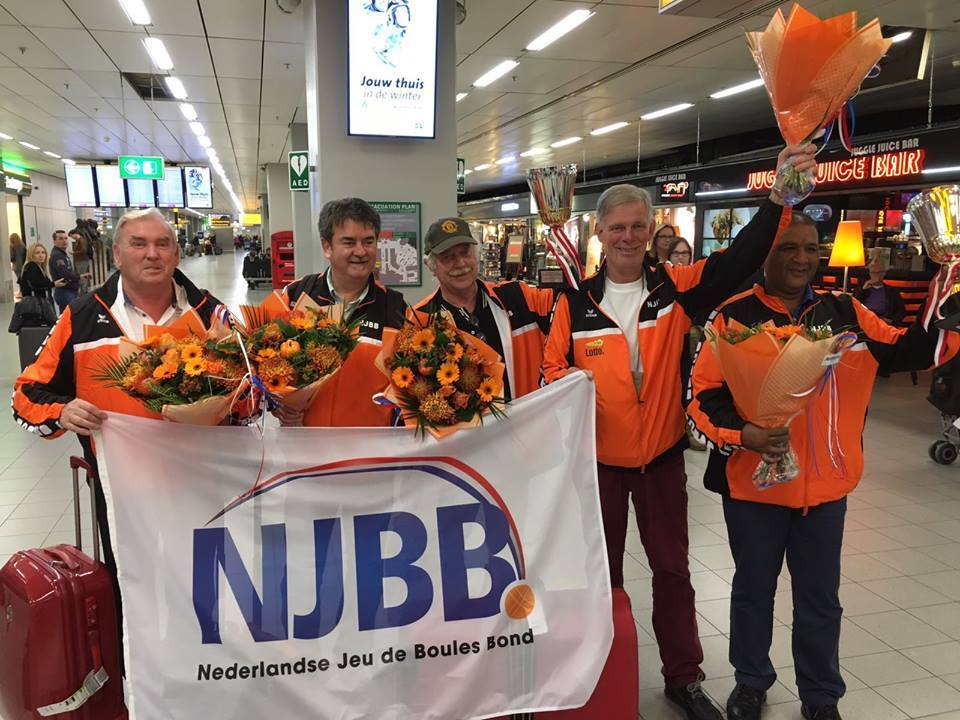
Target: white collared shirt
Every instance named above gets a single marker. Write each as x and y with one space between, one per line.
348 307
132 319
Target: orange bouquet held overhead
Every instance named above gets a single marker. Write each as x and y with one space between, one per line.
441 379
811 69
772 373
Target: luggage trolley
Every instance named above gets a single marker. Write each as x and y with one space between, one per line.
945 397
256 268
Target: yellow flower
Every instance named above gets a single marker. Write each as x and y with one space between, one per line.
436 409
171 357
487 389
266 353
423 340
402 377
455 352
194 367
448 373
303 321
190 352
289 348
163 371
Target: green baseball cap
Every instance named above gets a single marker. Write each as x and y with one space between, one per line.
445 233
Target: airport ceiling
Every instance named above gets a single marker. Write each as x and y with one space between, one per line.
242 66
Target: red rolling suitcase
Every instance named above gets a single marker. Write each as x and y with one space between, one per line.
59 653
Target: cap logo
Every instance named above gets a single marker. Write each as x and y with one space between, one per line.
449 226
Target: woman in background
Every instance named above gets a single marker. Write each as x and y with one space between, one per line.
18 254
660 243
35 279
679 252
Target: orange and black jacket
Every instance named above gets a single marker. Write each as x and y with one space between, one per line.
84 337
346 399
527 310
714 416
637 430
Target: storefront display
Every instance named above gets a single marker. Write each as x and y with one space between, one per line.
720 226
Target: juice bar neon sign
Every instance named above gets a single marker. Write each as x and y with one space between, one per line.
854 170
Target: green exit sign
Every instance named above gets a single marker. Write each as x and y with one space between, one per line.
142 167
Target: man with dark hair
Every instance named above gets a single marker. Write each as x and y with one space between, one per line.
349 229
802 519
61 268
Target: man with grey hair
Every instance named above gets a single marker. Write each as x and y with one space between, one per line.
627 326
58 392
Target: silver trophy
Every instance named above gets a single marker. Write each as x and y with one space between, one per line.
552 188
935 214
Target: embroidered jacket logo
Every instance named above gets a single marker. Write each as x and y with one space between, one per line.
594 348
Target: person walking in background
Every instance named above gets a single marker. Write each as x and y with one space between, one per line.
61 268
18 254
34 279
660 243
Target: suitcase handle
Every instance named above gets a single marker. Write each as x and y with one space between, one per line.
63 558
76 464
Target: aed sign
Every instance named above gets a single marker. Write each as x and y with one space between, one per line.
299 170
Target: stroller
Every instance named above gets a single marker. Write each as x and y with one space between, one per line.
945 397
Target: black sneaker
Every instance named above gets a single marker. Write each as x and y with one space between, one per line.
693 701
820 712
744 703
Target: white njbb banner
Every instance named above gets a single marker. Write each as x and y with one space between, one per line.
368 573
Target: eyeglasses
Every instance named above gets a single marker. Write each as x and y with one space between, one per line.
680 253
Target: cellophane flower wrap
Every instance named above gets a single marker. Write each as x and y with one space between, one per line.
441 378
772 373
294 351
184 372
811 68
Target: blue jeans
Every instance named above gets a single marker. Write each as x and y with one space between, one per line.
64 296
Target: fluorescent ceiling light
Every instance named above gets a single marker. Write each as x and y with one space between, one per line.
666 111
188 111
197 128
176 87
68 161
29 145
4 136
204 141
900 37
722 192
212 152
158 53
51 154
565 142
534 151
495 73
461 96
136 12
609 128
467 172
940 170
506 159
508 206
742 87
577 17
478 168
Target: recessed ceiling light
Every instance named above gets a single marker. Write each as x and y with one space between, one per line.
197 128
666 111
495 73
577 17
461 96
4 136
188 111
51 154
900 37
534 151
158 53
609 128
29 145
68 161
506 159
176 88
204 141
484 166
136 12
565 142
742 87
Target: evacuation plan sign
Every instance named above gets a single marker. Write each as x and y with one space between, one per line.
141 167
299 170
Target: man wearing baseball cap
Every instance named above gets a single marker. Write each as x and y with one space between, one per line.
510 317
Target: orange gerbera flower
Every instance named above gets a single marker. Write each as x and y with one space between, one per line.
171 357
163 371
487 389
448 373
423 340
454 352
289 348
190 352
785 332
402 377
194 367
266 353
302 321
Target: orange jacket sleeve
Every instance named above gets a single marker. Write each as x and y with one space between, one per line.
709 403
539 300
44 387
901 349
558 353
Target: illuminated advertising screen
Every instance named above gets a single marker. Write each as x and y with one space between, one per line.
392 78
80 188
140 194
170 189
110 186
199 189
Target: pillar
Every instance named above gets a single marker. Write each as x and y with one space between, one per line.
278 198
6 275
306 235
377 168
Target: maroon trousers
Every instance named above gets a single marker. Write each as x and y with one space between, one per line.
660 501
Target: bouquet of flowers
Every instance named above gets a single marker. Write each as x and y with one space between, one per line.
442 379
184 372
292 352
772 373
811 68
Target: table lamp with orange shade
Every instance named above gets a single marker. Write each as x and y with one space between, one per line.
847 248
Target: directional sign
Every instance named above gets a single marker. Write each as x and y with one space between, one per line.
299 170
461 177
144 167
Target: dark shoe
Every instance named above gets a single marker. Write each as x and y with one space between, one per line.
821 712
744 703
693 701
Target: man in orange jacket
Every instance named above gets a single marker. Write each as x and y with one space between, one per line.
510 317
803 518
349 229
627 325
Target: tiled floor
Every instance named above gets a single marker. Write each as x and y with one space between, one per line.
900 648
